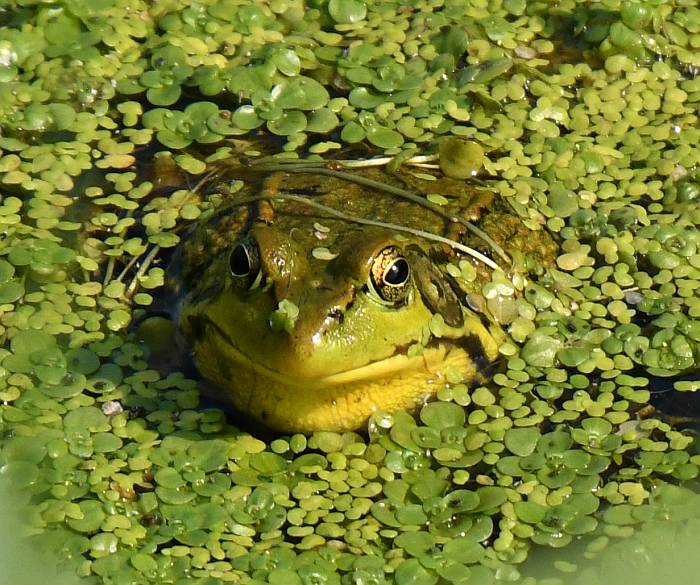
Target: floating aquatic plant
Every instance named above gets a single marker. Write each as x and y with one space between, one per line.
584 120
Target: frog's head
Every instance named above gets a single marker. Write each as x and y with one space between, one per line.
307 330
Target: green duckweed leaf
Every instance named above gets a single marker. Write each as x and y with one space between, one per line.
209 455
92 516
291 122
563 201
490 497
268 463
103 544
7 271
347 11
429 486
322 121
365 98
31 341
540 350
88 418
530 512
411 572
460 159
463 550
300 93
554 442
416 544
106 442
165 95
352 132
384 137
461 500
521 441
82 360
11 290
442 415
284 317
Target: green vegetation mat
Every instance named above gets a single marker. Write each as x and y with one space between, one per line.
583 115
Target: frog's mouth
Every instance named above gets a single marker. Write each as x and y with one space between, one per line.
433 360
341 401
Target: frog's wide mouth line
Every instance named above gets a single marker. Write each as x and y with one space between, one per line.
430 360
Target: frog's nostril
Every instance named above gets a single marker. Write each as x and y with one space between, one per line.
337 315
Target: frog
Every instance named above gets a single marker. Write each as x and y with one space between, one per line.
315 302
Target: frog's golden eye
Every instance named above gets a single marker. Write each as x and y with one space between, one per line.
244 263
390 275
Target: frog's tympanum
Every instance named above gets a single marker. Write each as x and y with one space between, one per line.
307 321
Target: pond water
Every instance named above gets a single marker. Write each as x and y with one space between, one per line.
116 119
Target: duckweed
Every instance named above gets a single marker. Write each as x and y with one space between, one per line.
594 138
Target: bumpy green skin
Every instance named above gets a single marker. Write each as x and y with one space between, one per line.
348 351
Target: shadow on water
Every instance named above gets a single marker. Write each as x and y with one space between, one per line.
663 551
26 559
681 408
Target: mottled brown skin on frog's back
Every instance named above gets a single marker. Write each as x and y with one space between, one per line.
366 336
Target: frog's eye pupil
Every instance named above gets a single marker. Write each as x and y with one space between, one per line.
397 273
240 260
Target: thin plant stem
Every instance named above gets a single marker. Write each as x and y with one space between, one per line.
141 271
403 193
363 221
